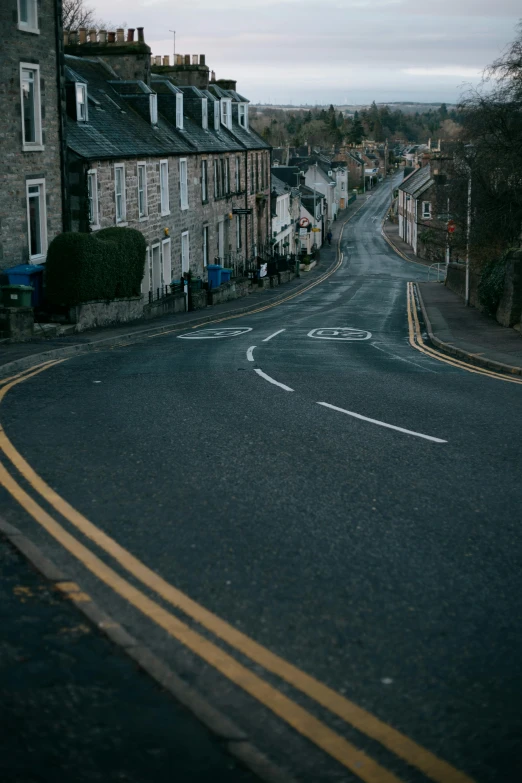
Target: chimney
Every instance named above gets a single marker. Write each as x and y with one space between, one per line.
212 76
131 64
130 35
202 59
141 37
157 60
187 59
103 36
195 59
92 36
111 37
179 59
120 35
66 37
166 60
83 35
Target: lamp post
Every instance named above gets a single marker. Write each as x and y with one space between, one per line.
468 237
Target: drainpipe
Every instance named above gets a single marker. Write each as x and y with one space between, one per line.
60 85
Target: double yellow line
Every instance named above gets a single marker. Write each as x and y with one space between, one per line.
417 342
302 720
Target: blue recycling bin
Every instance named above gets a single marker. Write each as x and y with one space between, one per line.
27 274
214 275
225 275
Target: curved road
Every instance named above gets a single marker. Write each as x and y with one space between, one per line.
334 583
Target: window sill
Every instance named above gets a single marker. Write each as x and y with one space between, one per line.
26 29
143 218
205 201
41 259
122 223
94 227
183 209
165 214
33 148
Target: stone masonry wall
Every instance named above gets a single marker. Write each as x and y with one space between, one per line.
17 46
157 228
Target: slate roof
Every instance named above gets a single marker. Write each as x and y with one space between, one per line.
119 121
288 174
281 188
417 182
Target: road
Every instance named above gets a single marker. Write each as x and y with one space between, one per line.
345 587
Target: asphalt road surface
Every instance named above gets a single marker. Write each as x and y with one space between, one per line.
261 523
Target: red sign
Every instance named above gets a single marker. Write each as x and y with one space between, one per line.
451 226
304 222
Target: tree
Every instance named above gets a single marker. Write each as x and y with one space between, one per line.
76 14
356 133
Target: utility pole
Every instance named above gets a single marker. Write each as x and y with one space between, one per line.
468 238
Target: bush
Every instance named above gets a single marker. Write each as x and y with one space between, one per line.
87 267
491 284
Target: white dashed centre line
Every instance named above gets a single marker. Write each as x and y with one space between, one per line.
273 335
272 380
381 423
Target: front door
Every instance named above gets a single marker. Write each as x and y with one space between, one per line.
156 269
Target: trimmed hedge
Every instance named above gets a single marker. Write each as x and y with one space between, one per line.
88 267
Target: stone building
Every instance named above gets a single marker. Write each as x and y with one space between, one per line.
416 207
166 150
31 136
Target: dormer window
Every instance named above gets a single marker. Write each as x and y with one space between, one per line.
226 112
179 110
204 113
28 16
243 115
153 103
81 103
216 116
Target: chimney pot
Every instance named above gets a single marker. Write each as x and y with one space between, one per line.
141 37
92 36
179 59
213 76
73 36
66 37
202 59
166 59
195 59
130 35
187 59
120 35
83 35
157 60
111 37
103 36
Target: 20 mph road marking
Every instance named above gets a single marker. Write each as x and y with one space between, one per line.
250 354
272 380
381 423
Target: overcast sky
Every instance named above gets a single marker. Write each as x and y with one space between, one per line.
330 51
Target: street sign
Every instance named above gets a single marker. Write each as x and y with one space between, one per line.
304 222
303 232
241 211
316 229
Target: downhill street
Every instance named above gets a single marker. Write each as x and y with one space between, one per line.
379 553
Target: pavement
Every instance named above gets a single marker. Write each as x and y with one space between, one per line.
17 356
311 523
76 708
458 330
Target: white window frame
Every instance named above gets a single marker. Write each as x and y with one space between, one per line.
183 183
31 26
185 257
217 120
217 178
142 166
80 89
204 113
164 188
206 245
238 232
426 213
238 174
226 175
204 181
242 115
92 194
226 112
123 216
179 110
37 144
166 262
37 257
153 106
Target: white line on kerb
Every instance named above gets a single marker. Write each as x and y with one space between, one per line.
273 335
250 354
271 380
381 423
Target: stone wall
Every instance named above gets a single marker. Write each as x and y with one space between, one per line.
456 281
509 311
18 46
89 315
